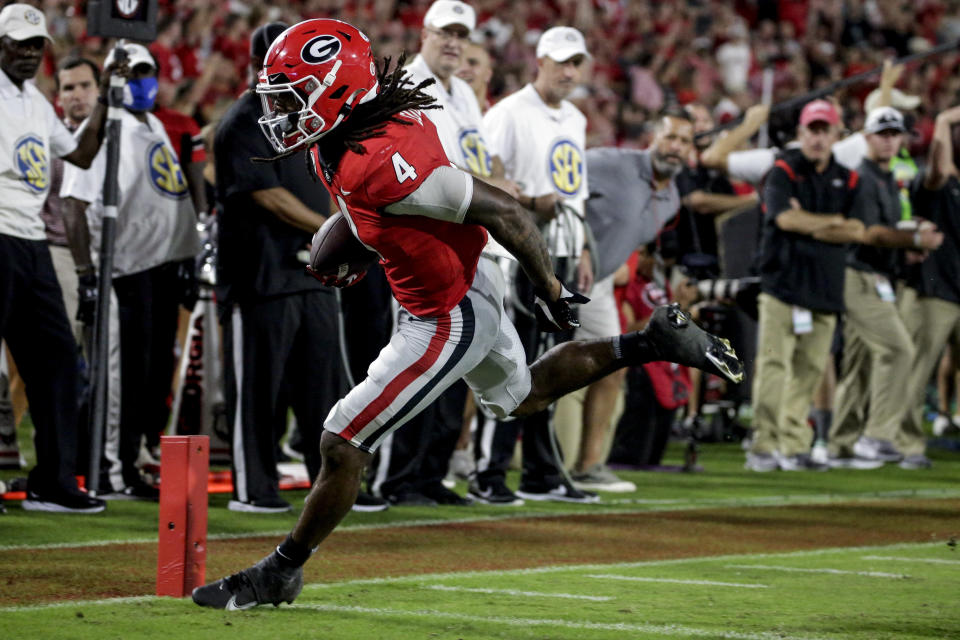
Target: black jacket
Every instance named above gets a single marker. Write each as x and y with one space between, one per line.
794 267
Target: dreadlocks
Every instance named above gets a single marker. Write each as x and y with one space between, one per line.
368 120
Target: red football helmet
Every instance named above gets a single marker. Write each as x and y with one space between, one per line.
313 75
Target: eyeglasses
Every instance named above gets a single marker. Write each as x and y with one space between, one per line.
446 35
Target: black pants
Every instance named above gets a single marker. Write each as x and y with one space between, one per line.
415 456
494 440
34 324
644 428
279 353
148 308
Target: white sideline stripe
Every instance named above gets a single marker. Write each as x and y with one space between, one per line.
838 572
514 592
427 577
663 506
659 629
904 559
517 572
710 583
79 603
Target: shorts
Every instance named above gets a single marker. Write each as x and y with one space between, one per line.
599 318
474 341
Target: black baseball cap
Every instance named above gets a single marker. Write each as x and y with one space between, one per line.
263 36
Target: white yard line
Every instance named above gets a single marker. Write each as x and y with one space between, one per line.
429 577
709 583
426 578
904 559
838 572
668 630
514 592
661 506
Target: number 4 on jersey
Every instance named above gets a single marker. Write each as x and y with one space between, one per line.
404 169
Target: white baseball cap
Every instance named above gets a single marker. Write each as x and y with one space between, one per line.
136 54
561 44
884 119
898 100
444 13
22 21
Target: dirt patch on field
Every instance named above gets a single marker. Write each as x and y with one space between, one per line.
130 570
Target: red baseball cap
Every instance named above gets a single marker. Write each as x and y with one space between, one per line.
819 111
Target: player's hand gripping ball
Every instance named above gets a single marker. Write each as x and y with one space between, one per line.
337 258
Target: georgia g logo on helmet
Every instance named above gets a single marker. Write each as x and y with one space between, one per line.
321 49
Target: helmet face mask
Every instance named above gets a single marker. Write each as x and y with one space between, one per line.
313 74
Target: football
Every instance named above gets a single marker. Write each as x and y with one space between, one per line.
335 251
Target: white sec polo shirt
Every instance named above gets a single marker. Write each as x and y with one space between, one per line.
31 135
156 222
542 150
459 123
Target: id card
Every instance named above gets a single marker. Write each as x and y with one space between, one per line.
802 320
885 289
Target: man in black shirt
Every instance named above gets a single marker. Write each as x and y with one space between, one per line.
279 325
877 346
807 198
936 196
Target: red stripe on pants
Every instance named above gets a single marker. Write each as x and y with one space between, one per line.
402 381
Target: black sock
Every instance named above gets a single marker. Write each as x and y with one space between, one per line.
293 554
634 348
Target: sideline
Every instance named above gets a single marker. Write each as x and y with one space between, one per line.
658 506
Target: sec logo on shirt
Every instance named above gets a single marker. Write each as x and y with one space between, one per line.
475 153
30 159
566 167
165 172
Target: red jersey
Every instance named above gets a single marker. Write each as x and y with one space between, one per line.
429 263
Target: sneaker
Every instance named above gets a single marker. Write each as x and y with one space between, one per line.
853 462
802 462
63 501
944 425
675 338
875 449
600 478
267 582
916 462
263 505
496 494
761 462
411 499
442 495
366 503
139 490
563 492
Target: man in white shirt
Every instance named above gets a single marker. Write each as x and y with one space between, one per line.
156 244
32 316
541 138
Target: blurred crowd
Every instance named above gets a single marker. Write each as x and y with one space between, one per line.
647 55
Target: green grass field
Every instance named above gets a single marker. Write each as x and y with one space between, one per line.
722 553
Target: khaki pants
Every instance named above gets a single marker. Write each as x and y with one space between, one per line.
66 270
930 322
788 368
877 350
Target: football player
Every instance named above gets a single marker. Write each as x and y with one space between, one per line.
380 158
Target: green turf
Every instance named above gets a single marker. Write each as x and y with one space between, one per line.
721 482
913 600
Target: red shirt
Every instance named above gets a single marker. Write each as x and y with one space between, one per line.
429 263
182 129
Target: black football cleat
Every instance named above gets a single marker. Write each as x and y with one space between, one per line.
675 338
266 582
